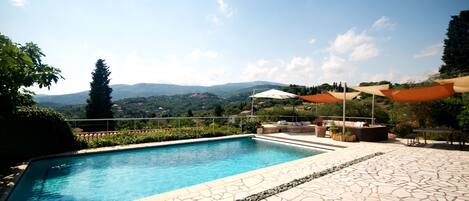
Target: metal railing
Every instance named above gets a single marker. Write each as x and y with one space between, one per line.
93 128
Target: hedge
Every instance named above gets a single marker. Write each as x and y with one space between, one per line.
33 132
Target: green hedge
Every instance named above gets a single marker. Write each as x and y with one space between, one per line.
163 135
33 132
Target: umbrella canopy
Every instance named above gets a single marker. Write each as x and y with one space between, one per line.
348 96
320 98
420 94
375 90
275 94
461 84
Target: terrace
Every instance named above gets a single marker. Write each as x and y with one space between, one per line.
346 170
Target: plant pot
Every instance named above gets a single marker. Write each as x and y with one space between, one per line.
344 138
320 131
260 130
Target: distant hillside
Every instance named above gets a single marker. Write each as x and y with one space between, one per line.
155 106
122 91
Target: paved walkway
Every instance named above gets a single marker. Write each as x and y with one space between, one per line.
407 173
242 185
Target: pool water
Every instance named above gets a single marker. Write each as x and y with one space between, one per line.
138 173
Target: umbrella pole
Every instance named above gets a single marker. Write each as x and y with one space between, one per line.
343 109
373 111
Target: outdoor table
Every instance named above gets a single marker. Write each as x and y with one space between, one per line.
447 132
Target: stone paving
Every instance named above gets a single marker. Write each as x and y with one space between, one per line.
242 185
407 173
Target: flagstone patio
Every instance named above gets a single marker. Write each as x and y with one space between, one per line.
401 173
407 173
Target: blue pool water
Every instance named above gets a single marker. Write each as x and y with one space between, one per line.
132 174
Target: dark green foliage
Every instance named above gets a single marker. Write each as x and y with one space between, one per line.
249 126
177 105
463 119
21 67
402 129
189 113
99 103
443 113
236 107
455 54
303 90
34 132
218 111
163 135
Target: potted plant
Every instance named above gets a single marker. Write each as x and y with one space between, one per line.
319 130
259 128
344 137
333 129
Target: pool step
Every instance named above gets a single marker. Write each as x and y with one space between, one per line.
305 141
321 146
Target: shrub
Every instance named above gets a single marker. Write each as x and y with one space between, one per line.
162 135
347 133
32 132
463 120
402 129
249 127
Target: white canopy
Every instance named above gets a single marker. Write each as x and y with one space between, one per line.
461 84
348 95
275 94
375 90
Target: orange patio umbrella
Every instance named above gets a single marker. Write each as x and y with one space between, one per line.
420 93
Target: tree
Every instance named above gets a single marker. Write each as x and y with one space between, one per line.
189 113
99 104
456 48
21 67
218 111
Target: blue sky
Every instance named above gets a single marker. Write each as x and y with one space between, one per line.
210 42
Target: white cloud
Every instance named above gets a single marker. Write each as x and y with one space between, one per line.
224 12
336 69
383 23
357 47
18 3
334 65
349 40
345 52
197 54
312 41
298 70
364 52
224 8
216 20
432 50
195 68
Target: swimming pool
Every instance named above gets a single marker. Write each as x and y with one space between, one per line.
138 173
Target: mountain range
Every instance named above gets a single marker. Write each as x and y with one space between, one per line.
122 91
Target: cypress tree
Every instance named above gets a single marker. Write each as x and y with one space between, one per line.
456 51
99 103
